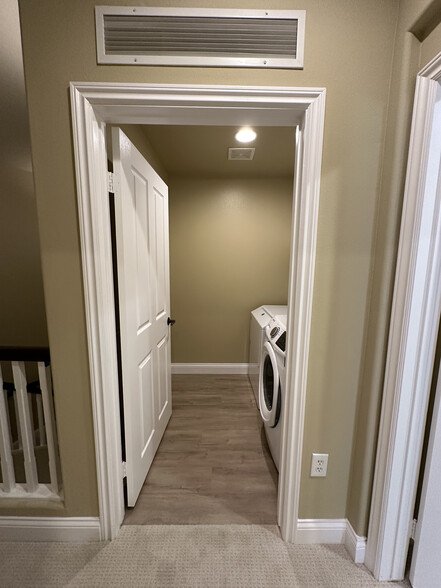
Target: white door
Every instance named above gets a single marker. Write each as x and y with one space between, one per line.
142 243
425 571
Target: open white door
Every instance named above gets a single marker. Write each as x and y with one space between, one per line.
425 571
142 242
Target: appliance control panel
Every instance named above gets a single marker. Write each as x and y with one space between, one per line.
276 333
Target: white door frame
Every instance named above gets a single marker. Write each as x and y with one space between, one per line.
411 348
94 105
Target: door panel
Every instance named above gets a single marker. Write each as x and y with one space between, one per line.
161 253
163 362
425 571
141 222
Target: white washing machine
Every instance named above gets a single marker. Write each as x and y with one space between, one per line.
272 383
260 318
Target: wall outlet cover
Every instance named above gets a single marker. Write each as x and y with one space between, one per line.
319 464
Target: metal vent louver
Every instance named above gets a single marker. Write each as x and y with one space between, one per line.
241 153
200 37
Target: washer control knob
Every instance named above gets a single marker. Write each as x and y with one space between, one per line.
274 332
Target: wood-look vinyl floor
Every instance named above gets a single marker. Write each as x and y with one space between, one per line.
213 465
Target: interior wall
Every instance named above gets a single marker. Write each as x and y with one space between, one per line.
349 48
229 253
431 45
22 310
417 41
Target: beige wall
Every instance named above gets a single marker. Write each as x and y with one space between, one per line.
22 312
409 56
349 47
431 45
229 253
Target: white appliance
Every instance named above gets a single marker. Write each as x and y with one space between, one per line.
260 318
272 383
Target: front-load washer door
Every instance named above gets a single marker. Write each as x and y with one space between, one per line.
269 387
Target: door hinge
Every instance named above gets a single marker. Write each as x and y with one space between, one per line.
124 469
110 183
413 527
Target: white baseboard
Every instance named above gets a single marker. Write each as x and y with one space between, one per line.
340 531
74 529
209 368
321 531
355 545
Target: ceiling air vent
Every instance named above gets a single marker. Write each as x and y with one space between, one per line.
200 37
241 153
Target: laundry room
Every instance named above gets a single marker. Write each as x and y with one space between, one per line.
229 238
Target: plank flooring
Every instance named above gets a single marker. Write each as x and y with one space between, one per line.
213 465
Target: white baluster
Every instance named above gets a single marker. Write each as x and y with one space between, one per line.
31 414
41 427
17 420
7 465
8 416
26 426
49 419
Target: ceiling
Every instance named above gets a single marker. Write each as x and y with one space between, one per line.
203 151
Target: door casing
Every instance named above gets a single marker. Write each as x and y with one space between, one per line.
413 330
96 104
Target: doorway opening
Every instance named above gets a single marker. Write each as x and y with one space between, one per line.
94 106
230 234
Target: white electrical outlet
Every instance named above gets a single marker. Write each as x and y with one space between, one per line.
319 464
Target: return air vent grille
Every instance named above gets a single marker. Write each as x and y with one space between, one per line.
241 153
149 36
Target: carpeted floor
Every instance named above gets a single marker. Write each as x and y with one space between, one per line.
196 556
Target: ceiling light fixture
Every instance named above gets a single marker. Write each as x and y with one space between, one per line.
245 135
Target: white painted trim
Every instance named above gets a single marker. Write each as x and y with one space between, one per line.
73 529
355 545
332 531
210 368
412 339
310 531
94 105
309 144
96 252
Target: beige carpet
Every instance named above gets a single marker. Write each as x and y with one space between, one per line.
197 556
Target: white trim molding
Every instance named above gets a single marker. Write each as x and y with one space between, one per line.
210 368
96 104
355 545
332 531
70 529
411 348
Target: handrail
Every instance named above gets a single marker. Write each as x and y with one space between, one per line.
24 354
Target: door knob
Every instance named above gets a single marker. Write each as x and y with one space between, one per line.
170 321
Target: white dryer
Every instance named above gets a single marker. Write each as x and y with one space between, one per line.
272 383
260 318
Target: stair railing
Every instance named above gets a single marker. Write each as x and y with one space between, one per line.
27 426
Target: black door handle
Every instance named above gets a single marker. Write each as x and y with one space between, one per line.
170 321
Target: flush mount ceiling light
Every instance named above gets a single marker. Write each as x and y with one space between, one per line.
245 135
